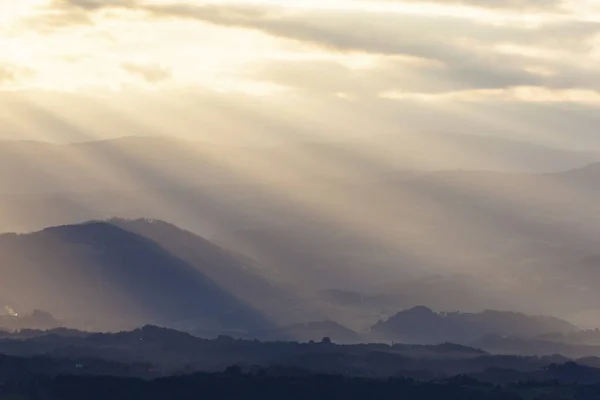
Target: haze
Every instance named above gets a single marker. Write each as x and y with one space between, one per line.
435 153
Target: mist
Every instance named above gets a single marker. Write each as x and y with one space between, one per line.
452 233
284 170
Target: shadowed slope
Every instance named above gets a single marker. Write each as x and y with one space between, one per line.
103 272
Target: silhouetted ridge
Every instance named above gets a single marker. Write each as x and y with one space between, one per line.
35 320
423 325
107 272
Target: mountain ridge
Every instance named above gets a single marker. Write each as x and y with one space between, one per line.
421 325
99 259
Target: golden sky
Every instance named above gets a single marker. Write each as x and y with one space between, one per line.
485 66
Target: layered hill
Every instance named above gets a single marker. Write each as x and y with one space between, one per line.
421 325
35 167
126 273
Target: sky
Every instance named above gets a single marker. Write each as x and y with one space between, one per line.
266 70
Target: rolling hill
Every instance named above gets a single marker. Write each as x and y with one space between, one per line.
421 325
125 273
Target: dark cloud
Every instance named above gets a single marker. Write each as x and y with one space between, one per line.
150 73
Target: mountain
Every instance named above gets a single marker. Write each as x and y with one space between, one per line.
144 162
125 273
422 325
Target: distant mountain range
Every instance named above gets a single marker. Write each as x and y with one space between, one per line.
421 325
142 162
135 163
322 216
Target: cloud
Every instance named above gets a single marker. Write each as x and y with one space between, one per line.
457 53
514 94
446 39
480 70
391 72
430 36
12 74
95 4
57 19
150 73
536 5
467 52
7 74
60 14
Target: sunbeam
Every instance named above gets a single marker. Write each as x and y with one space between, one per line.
338 159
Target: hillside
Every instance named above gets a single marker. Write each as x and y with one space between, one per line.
125 273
